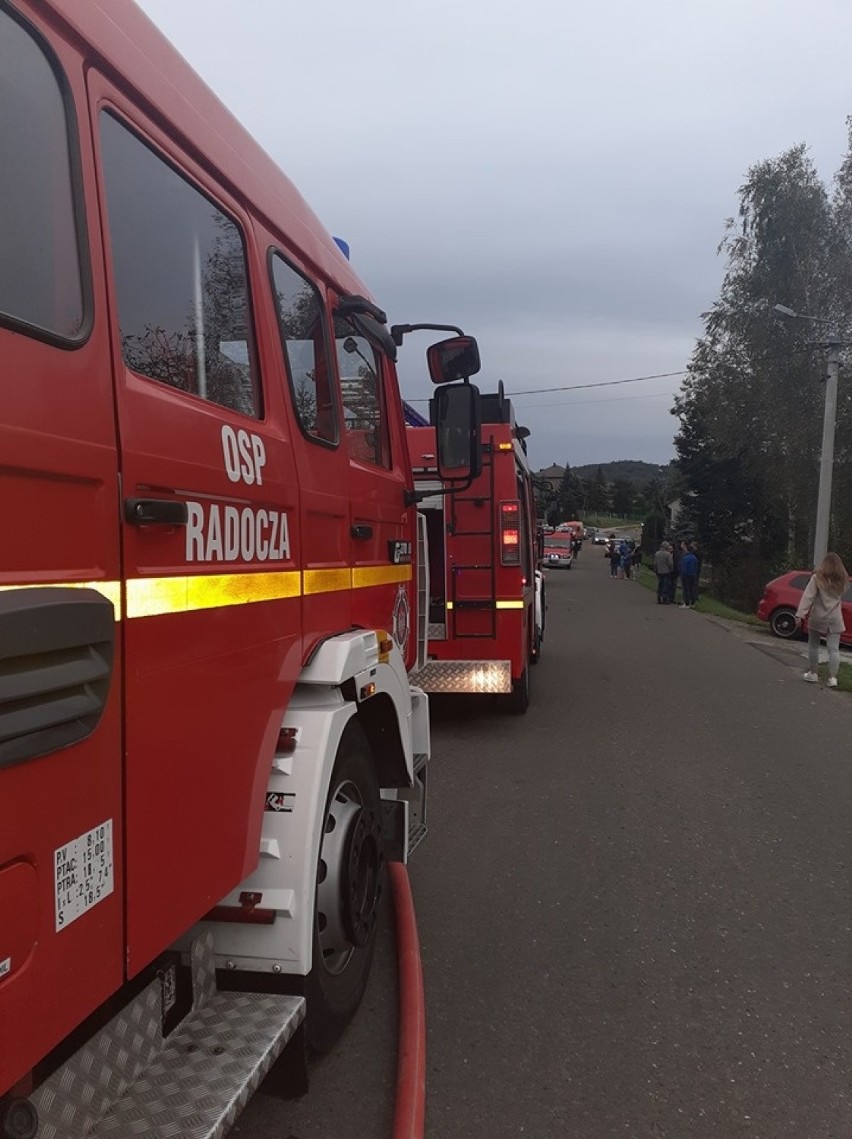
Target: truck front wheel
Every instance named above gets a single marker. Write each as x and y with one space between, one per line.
350 873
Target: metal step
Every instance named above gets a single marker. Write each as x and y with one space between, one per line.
486 676
129 1080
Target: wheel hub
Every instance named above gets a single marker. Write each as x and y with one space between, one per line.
349 878
363 859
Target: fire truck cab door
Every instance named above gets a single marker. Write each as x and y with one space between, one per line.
380 522
210 530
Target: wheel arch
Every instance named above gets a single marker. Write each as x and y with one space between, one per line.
379 717
332 691
370 671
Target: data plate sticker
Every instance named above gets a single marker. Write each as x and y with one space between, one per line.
84 873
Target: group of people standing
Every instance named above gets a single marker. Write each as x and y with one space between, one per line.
624 557
673 564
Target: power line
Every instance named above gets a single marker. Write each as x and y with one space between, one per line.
640 379
577 387
599 384
632 379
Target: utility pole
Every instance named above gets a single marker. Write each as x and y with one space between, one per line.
826 462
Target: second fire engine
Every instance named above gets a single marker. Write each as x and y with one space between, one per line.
486 595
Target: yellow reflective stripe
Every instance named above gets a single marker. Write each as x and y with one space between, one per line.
152 596
500 604
111 590
155 596
363 576
326 580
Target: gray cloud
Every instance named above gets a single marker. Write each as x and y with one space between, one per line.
552 177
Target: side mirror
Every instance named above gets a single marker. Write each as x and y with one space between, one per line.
453 359
457 421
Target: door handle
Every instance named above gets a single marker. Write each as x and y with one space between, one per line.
362 533
155 512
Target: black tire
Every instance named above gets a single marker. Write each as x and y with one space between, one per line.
783 623
350 874
538 634
535 655
518 700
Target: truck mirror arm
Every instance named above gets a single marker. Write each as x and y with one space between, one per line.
412 497
400 331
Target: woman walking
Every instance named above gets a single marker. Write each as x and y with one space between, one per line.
821 604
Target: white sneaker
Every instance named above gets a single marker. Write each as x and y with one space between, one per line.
811 677
832 682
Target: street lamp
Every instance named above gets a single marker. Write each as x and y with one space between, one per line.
826 464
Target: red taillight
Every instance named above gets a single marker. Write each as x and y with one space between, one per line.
510 533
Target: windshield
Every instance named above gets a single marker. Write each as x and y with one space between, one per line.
557 540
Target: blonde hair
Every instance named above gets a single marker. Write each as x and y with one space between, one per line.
831 575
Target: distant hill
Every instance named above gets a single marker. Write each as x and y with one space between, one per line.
632 470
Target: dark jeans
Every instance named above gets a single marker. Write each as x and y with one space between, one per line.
689 583
662 587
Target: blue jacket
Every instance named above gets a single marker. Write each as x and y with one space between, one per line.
689 565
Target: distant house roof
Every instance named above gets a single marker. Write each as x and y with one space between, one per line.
554 471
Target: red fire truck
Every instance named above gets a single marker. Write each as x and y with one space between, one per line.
208 593
486 603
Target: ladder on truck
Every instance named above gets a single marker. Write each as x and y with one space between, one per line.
461 604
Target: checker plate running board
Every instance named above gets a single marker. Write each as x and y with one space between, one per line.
130 1081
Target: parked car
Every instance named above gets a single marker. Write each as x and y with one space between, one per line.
557 551
781 598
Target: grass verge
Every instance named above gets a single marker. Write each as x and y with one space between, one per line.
709 604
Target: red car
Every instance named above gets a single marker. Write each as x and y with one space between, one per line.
781 598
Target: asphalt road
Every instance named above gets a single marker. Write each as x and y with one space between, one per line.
634 904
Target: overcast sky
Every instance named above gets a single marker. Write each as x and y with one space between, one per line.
552 177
